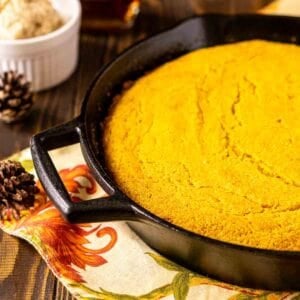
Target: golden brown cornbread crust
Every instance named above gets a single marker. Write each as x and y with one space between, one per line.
211 141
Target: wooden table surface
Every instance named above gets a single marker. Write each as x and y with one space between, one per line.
23 274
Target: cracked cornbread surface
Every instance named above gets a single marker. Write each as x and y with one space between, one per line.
211 142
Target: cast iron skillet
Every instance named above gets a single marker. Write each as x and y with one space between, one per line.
245 266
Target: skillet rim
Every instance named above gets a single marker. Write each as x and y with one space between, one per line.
107 182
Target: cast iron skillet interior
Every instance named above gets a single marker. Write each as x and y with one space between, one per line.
241 265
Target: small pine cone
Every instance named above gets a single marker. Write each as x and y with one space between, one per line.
17 190
16 98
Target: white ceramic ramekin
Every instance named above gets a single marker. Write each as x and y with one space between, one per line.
49 59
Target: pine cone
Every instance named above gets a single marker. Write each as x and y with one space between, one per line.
17 190
16 97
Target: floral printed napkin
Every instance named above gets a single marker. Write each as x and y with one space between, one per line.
107 260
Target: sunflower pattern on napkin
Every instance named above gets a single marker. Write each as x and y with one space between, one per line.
107 260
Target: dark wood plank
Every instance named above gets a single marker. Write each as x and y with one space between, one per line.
23 274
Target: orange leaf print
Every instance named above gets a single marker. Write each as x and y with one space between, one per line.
64 244
69 175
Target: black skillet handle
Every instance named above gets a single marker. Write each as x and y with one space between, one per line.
103 209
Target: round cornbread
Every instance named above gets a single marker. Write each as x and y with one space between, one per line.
211 142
